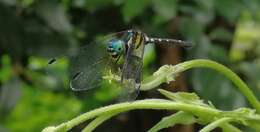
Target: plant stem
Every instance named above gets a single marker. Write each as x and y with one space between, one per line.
99 120
202 63
166 75
142 104
215 124
229 128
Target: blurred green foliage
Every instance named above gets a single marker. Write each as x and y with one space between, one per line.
37 107
5 71
226 31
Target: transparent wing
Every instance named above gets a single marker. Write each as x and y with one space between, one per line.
131 74
131 79
88 65
85 67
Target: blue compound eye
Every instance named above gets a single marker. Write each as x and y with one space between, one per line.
115 47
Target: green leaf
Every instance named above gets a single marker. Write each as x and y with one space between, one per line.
133 8
254 124
180 96
41 107
229 9
6 69
184 97
252 119
92 5
9 2
165 74
221 34
191 28
177 118
55 16
168 72
27 3
166 9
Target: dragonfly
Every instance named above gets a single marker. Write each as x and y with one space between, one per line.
118 55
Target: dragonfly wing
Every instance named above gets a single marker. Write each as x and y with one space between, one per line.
86 76
89 65
86 66
131 79
131 74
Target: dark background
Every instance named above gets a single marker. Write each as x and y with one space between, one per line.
226 31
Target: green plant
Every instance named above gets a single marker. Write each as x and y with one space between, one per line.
191 108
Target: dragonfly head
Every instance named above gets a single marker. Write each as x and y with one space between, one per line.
116 47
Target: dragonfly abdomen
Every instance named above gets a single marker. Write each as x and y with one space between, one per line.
168 41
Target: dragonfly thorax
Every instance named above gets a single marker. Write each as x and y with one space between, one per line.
116 48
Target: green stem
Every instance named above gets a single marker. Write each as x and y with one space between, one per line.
215 124
201 63
142 104
166 75
99 120
229 128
